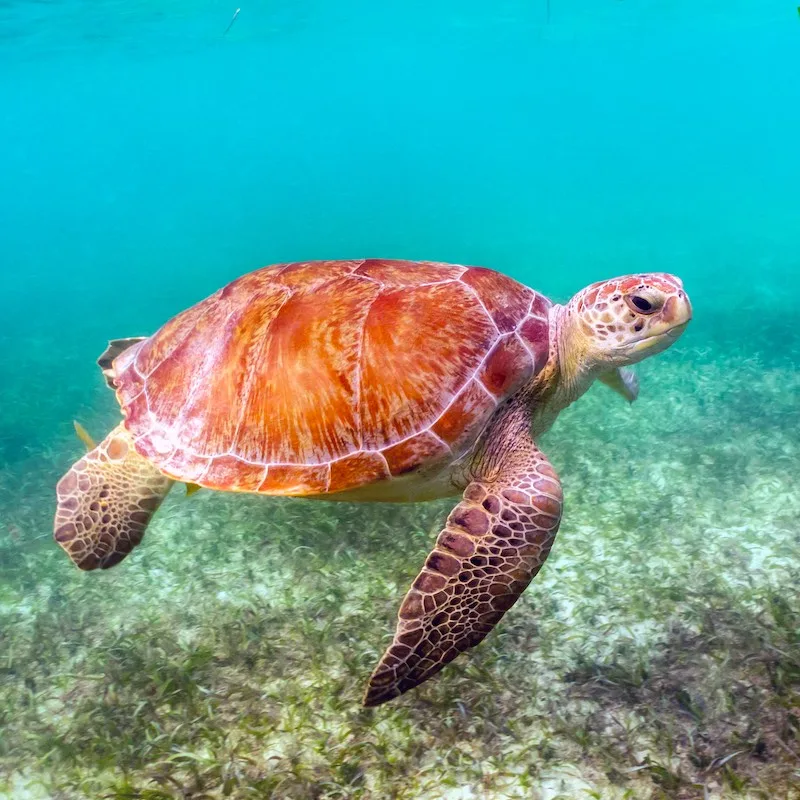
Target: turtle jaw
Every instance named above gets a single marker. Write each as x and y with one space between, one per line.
675 332
654 343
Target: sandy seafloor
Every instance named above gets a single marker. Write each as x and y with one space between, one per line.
147 160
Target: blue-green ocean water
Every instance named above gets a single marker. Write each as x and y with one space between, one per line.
147 157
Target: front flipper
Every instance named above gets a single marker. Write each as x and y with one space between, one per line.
493 544
623 381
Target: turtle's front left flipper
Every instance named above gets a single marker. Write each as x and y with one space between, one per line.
105 502
493 544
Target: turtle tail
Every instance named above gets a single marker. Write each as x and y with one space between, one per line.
106 501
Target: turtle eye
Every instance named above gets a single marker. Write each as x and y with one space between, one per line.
641 304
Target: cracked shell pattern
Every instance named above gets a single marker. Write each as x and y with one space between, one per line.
325 376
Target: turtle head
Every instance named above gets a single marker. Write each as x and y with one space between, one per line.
618 322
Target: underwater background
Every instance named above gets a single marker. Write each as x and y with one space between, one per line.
147 157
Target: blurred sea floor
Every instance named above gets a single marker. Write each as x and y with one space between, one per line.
657 654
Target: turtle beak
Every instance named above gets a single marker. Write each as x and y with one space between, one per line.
673 318
675 332
671 322
677 313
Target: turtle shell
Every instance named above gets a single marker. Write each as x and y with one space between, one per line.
318 377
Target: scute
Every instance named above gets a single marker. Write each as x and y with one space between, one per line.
323 376
421 345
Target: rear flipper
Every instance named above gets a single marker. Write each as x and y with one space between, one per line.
106 501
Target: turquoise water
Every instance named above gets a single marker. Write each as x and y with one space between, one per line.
147 158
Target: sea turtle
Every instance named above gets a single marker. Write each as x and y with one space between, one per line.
371 380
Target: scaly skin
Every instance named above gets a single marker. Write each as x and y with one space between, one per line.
601 328
492 545
105 502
